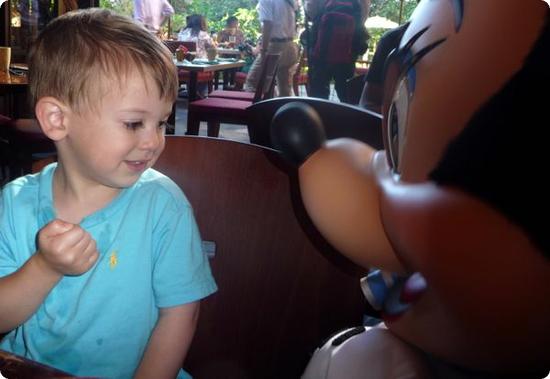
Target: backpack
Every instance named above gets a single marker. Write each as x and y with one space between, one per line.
339 36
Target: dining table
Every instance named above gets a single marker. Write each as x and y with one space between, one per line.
229 75
15 366
229 52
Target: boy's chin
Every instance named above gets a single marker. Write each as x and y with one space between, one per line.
122 183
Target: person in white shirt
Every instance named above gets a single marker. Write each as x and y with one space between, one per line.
196 31
152 13
278 33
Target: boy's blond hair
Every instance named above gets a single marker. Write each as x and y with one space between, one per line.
80 54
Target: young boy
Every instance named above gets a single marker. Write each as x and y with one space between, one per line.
101 269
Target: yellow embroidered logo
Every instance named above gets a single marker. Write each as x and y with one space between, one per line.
113 260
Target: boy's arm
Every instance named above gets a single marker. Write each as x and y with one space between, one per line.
169 342
22 292
63 249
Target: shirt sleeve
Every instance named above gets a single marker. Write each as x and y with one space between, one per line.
265 10
167 9
138 10
206 38
181 272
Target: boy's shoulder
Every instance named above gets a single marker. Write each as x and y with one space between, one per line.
24 184
153 182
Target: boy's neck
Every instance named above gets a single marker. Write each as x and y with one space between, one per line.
75 199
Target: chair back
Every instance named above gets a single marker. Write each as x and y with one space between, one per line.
21 149
266 81
354 88
340 120
282 288
173 45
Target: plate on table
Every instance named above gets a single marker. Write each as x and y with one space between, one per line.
205 61
227 59
19 66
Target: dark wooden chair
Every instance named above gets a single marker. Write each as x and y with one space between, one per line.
174 44
22 144
282 288
215 110
240 79
340 120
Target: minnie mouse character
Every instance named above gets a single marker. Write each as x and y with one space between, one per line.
454 208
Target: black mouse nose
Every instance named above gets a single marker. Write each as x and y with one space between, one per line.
297 131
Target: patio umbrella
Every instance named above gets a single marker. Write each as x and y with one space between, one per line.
380 23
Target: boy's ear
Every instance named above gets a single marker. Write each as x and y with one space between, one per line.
51 115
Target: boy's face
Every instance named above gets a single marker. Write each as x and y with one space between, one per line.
123 136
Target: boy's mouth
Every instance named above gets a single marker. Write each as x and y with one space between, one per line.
138 165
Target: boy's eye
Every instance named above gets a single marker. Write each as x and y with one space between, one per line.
133 125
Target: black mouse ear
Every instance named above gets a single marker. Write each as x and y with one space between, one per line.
297 131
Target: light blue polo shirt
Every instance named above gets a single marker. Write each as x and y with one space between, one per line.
99 323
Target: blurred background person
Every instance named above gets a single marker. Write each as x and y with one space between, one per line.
152 13
326 46
231 35
278 18
196 31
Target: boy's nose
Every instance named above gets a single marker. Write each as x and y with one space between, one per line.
151 138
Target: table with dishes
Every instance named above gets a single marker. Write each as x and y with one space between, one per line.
15 366
204 65
229 52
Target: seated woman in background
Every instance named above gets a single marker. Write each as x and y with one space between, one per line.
195 31
231 35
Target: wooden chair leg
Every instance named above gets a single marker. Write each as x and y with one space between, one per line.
213 128
193 124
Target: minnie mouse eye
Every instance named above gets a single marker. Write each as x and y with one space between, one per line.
396 127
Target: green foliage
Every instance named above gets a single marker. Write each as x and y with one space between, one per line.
217 11
374 37
249 23
390 9
125 7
